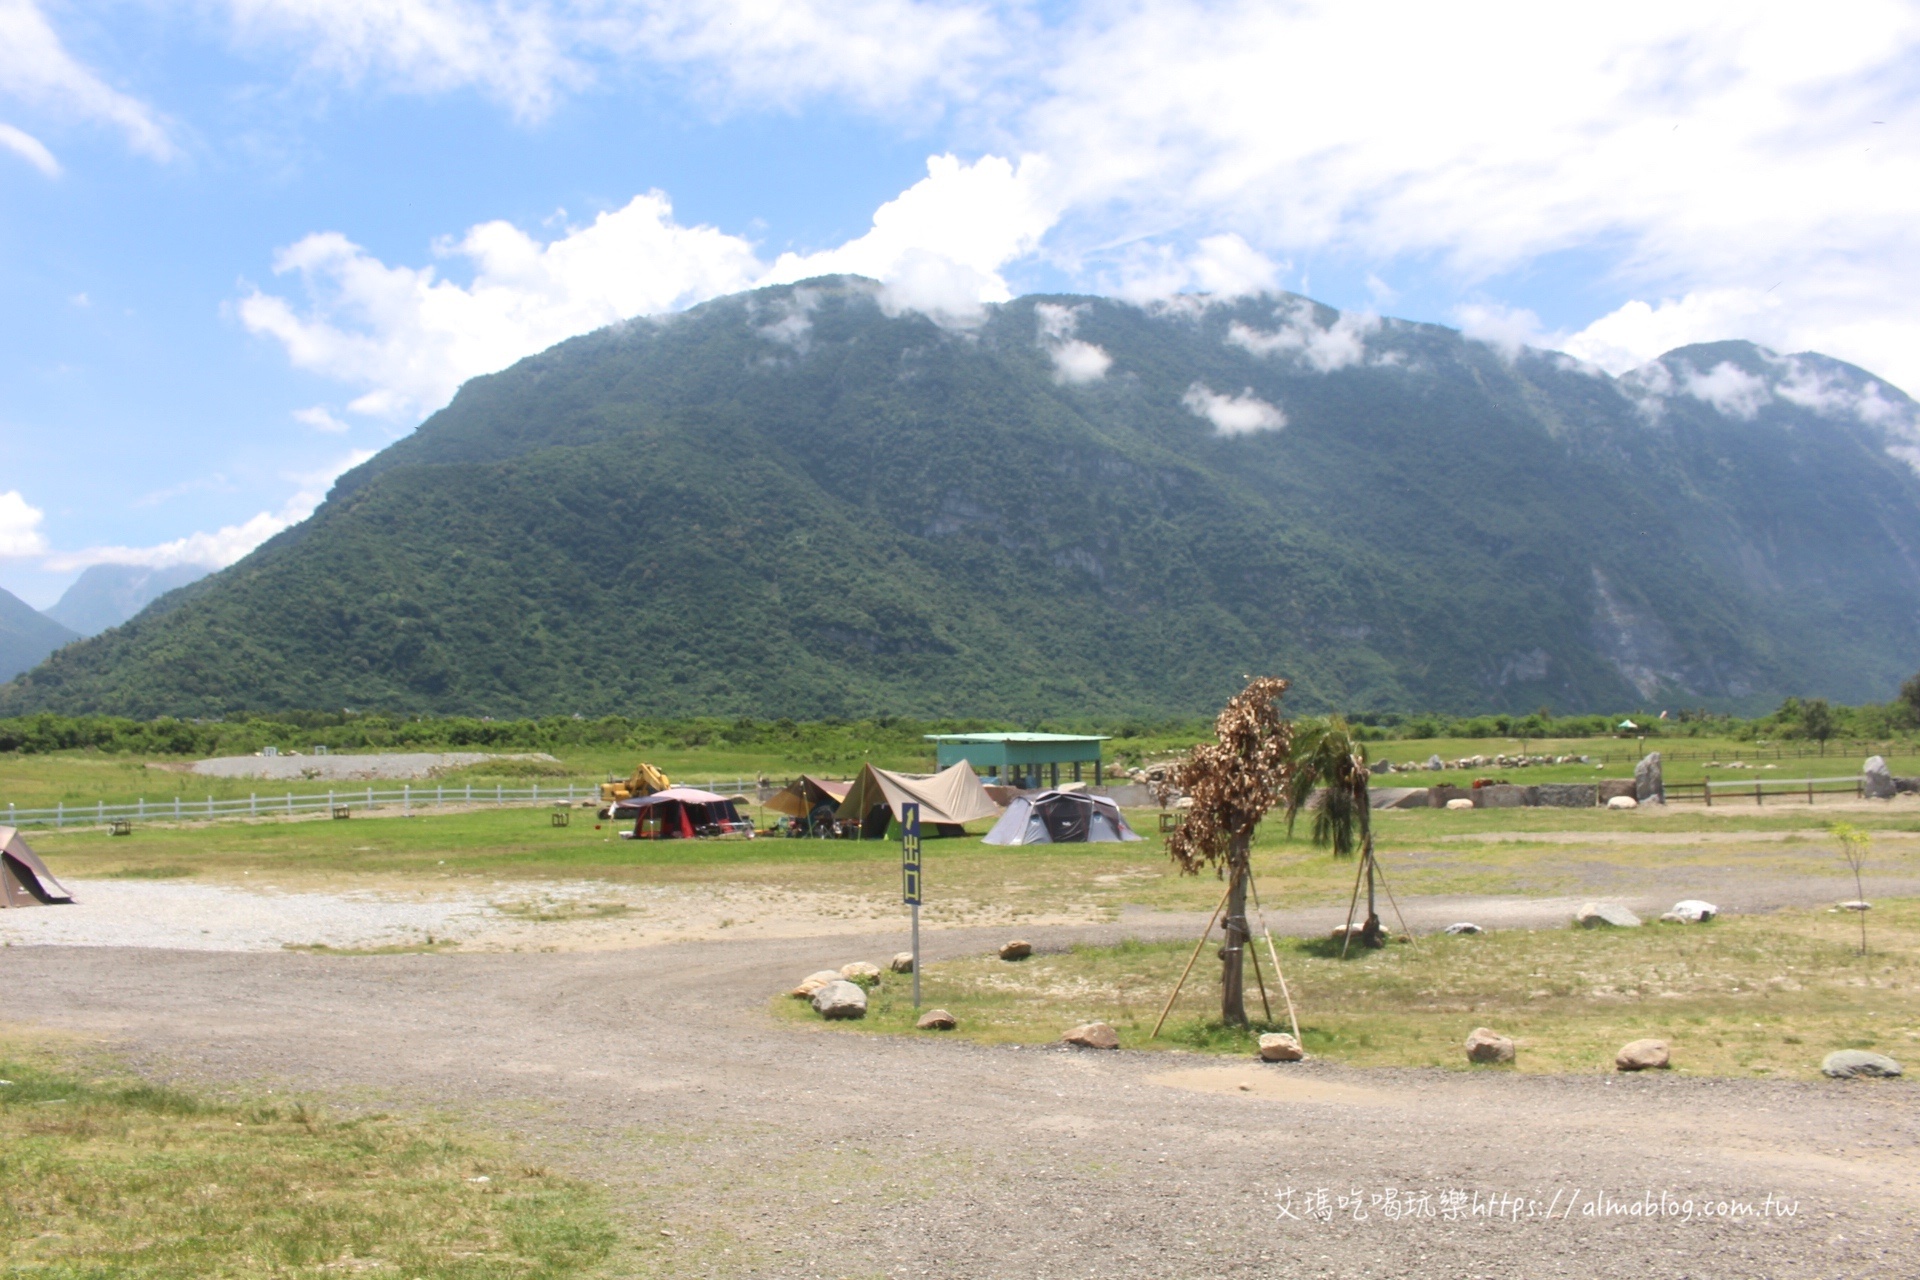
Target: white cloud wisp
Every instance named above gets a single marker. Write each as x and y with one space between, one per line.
1232 415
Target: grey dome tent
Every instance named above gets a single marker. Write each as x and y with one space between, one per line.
24 879
1061 817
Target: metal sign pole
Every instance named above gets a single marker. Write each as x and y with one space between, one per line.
910 881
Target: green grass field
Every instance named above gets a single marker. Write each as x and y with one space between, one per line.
1754 996
106 1175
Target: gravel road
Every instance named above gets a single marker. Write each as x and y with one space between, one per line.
735 1144
390 766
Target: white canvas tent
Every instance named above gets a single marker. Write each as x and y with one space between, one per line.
1061 817
947 799
24 879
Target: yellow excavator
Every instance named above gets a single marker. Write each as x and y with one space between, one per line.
645 781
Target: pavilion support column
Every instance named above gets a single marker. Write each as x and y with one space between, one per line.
1096 773
1055 767
1076 771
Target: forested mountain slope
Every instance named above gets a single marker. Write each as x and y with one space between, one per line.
802 502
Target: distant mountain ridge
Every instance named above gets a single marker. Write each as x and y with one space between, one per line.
106 595
799 502
27 636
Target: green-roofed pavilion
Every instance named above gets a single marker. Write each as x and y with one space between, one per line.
1021 759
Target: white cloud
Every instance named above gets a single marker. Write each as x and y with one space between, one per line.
411 338
1728 388
1507 330
940 245
20 526
30 149
1232 415
227 544
1075 361
35 68
321 419
1334 346
530 53
1637 332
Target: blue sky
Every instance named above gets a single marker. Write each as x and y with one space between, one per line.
245 242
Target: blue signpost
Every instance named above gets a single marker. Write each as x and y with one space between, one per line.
910 881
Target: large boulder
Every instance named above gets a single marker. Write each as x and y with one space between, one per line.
1642 1055
1623 802
1093 1035
1857 1064
812 983
1277 1046
1600 915
1460 802
861 973
840 999
1567 795
1876 780
1648 787
1016 950
902 963
936 1020
1487 1045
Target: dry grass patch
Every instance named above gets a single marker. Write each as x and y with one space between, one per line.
115 1177
1761 995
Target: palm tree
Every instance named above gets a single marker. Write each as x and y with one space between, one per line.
1328 758
1232 782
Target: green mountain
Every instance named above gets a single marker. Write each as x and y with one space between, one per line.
804 501
27 636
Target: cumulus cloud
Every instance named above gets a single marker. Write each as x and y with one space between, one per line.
1074 361
320 418
1301 335
1508 330
1637 332
940 245
224 545
20 526
36 69
1232 415
1728 388
411 337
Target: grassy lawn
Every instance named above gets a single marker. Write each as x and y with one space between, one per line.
103 1175
1751 996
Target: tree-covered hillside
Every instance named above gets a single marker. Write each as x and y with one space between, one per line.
798 502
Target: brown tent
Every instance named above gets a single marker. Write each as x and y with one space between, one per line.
947 800
799 798
24 879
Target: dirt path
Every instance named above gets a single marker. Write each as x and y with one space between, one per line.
772 1150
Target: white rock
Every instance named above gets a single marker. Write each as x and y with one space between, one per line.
1876 781
1856 905
1694 911
1642 1055
1594 915
1460 802
1852 1064
840 999
1623 802
1464 927
1276 1046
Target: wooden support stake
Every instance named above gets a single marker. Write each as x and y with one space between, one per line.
1273 955
1190 959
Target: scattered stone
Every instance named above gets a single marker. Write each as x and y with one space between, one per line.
1856 1064
840 999
1876 780
1596 914
1486 1045
1464 927
1642 1055
1648 787
902 963
1277 1046
1460 803
860 973
813 982
1693 911
936 1020
1435 762
1016 950
1339 932
1623 802
1093 1035
1855 905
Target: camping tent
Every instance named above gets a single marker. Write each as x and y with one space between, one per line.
803 797
1061 817
681 812
947 800
24 879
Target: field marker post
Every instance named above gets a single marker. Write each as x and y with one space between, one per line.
910 881
59 814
